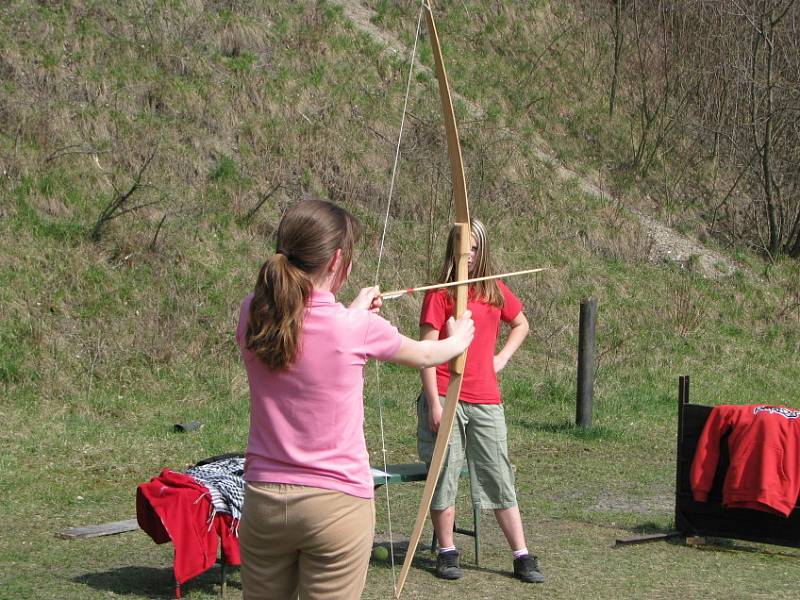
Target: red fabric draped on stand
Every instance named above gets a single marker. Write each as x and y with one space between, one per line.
764 446
175 507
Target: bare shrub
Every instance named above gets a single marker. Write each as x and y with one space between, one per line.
684 312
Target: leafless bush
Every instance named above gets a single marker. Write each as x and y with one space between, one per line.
122 201
684 312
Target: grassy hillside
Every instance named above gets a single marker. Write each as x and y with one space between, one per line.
200 121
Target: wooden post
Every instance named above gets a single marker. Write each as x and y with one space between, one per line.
683 400
583 416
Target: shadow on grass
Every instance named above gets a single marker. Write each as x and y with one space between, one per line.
596 432
384 552
712 543
650 528
424 560
709 543
151 582
717 544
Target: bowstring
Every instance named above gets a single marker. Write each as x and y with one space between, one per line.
377 279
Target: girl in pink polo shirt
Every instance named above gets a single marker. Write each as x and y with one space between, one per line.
308 518
479 432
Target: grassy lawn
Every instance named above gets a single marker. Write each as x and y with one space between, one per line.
578 494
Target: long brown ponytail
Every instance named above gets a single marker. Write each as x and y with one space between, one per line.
308 236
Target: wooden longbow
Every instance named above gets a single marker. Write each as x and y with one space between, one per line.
462 256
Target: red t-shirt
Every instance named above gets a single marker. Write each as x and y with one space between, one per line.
479 384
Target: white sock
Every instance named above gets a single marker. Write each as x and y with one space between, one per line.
520 552
441 550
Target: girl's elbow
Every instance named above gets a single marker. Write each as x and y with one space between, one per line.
426 359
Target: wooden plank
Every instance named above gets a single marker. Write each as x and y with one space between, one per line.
641 539
91 531
696 540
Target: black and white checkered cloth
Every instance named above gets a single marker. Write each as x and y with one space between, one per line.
225 482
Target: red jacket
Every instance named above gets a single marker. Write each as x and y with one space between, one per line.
764 447
174 506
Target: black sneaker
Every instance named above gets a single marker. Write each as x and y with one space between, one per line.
447 565
526 568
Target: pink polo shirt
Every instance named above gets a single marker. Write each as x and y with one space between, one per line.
307 423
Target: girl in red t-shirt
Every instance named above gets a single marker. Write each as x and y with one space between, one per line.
479 432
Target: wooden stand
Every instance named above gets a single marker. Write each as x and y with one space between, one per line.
711 519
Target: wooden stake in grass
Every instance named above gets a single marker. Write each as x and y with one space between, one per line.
398 293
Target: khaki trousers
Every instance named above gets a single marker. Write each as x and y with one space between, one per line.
306 542
480 433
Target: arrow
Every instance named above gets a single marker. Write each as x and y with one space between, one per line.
398 293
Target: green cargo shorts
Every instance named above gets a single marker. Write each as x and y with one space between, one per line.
479 432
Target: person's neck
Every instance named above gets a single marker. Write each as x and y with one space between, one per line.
325 284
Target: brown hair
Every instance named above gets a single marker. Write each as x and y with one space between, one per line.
482 265
308 236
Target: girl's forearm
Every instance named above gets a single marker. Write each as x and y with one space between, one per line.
439 351
515 338
429 387
426 353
